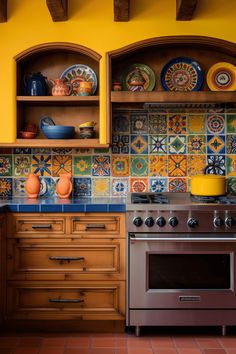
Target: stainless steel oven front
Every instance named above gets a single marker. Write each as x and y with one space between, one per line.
181 279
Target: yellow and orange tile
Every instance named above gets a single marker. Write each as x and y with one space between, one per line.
158 165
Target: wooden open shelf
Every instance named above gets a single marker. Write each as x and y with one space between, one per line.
57 143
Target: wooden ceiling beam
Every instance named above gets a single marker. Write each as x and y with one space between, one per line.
185 9
121 10
58 9
3 10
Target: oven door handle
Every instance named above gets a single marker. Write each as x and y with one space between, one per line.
186 239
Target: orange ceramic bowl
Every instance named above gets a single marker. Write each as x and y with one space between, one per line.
27 135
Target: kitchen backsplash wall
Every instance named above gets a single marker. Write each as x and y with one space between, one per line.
152 150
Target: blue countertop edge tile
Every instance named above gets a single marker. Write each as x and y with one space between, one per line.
56 205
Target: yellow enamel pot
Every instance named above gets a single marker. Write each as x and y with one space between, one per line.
208 185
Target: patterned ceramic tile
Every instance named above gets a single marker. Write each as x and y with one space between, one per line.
178 185
215 123
231 123
62 151
120 166
139 185
41 151
120 187
101 165
216 164
82 165
120 144
158 166
139 144
177 144
177 124
21 165
18 187
5 165
139 166
196 124
42 165
121 122
231 165
139 123
101 151
196 144
81 187
231 185
6 151
158 185
101 187
196 164
177 165
215 144
79 151
157 123
47 187
5 187
61 164
157 144
231 144
22 151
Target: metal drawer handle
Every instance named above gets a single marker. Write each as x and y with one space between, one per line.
95 226
49 226
65 258
74 301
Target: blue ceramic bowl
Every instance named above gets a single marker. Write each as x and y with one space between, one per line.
58 131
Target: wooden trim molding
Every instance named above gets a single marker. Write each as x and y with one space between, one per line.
3 10
185 9
121 10
58 9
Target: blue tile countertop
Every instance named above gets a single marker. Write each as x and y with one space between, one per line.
56 205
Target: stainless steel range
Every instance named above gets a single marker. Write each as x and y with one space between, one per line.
181 260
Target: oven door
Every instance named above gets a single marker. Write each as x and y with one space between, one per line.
181 273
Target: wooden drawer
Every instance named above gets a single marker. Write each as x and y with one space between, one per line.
36 225
84 301
65 261
101 226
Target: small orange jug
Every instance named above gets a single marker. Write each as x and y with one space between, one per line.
64 185
32 186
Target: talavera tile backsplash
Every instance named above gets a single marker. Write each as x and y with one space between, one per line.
152 150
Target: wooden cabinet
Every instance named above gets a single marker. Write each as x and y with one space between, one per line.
155 53
72 270
2 266
51 60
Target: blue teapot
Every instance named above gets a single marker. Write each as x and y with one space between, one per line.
35 84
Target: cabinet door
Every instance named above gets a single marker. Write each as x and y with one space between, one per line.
79 301
2 266
67 261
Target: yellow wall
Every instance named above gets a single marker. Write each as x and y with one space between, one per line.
91 24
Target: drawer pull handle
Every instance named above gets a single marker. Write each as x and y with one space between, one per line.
65 258
95 226
35 227
74 301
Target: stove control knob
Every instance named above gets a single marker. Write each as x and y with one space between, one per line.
229 221
192 223
149 221
137 221
173 221
218 221
160 221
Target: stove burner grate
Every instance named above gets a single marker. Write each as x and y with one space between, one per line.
149 199
221 199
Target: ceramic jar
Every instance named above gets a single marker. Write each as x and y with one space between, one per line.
32 186
64 185
85 88
60 87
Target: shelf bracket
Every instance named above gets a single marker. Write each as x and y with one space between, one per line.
3 10
185 9
121 10
58 9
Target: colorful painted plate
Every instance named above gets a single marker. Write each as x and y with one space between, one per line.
79 72
222 77
182 74
138 77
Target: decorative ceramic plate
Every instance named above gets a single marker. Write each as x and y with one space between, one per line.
182 74
222 77
79 72
138 77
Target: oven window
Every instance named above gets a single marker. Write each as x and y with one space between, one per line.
189 271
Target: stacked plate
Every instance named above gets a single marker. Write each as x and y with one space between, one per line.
222 77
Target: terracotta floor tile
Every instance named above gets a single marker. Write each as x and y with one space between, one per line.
162 342
229 351
185 342
82 342
104 342
228 342
6 351
121 342
54 342
102 351
139 342
214 351
26 350
52 350
77 351
189 351
210 343
140 351
165 351
30 342
8 342
121 351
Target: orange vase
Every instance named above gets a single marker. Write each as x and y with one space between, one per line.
32 186
64 185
